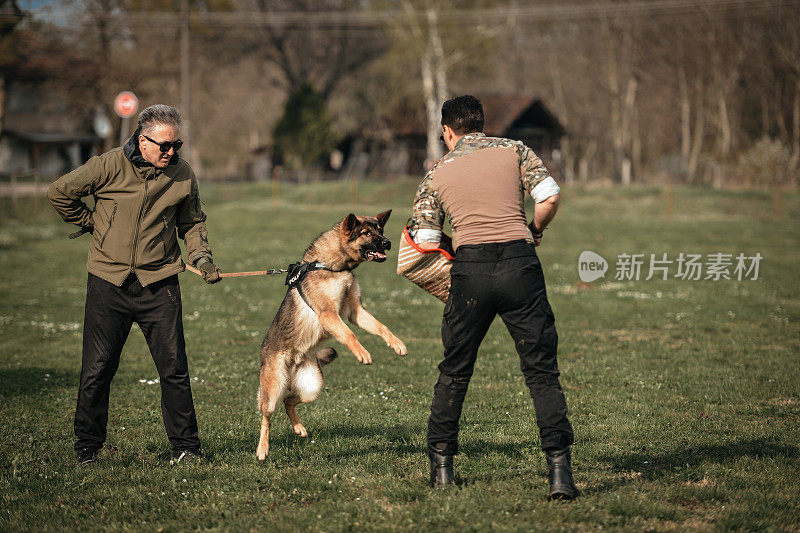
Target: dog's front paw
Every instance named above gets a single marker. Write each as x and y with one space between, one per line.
398 347
363 356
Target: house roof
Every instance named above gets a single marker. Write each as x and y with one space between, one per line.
500 112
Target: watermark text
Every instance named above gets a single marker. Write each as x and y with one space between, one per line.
663 266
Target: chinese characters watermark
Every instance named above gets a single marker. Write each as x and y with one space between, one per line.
684 266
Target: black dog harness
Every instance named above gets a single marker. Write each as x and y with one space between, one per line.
297 272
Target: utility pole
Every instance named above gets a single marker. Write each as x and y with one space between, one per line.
186 84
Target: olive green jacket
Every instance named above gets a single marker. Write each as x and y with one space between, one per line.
137 211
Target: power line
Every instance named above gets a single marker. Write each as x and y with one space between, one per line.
575 11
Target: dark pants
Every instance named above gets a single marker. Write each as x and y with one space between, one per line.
487 280
110 313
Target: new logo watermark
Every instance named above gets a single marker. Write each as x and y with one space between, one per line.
683 266
591 266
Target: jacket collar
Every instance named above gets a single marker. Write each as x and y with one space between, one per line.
467 137
134 155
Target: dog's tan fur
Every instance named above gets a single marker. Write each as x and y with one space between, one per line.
290 365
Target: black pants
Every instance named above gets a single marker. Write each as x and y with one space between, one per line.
110 313
487 280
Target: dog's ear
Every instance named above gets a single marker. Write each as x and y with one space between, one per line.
383 217
349 225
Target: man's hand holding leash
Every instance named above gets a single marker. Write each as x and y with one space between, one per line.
209 271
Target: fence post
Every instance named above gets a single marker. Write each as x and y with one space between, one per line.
276 184
14 194
354 189
670 201
36 199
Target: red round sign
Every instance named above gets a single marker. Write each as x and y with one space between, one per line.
126 104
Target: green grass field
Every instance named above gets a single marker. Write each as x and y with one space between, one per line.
684 395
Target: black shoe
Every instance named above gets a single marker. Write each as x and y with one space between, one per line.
86 456
441 470
562 486
186 456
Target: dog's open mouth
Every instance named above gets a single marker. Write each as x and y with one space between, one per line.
374 255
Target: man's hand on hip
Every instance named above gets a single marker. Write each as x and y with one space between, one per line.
211 274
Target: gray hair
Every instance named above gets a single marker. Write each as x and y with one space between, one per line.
159 114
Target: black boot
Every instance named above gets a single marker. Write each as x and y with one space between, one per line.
562 486
441 470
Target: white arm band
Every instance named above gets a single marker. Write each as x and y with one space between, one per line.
428 235
546 188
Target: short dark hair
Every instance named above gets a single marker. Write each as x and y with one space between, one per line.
464 114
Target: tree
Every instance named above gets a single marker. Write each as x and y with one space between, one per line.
304 135
313 53
433 70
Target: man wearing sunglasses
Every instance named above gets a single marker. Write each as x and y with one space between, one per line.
145 196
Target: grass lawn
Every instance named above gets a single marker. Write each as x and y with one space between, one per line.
684 395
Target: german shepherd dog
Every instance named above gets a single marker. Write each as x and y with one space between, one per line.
312 311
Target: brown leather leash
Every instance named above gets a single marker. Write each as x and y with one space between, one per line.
270 272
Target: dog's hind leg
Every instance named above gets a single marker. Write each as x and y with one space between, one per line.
291 404
263 442
305 387
272 387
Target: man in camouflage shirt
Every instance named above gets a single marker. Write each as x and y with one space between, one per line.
480 186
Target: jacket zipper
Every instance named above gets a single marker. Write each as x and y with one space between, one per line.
138 224
163 232
110 221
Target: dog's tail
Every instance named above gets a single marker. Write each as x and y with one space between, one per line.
326 355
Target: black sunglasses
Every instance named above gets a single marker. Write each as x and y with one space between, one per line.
165 146
441 138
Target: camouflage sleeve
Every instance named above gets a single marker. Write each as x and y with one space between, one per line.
427 211
531 169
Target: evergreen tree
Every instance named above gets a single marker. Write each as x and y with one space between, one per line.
304 135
